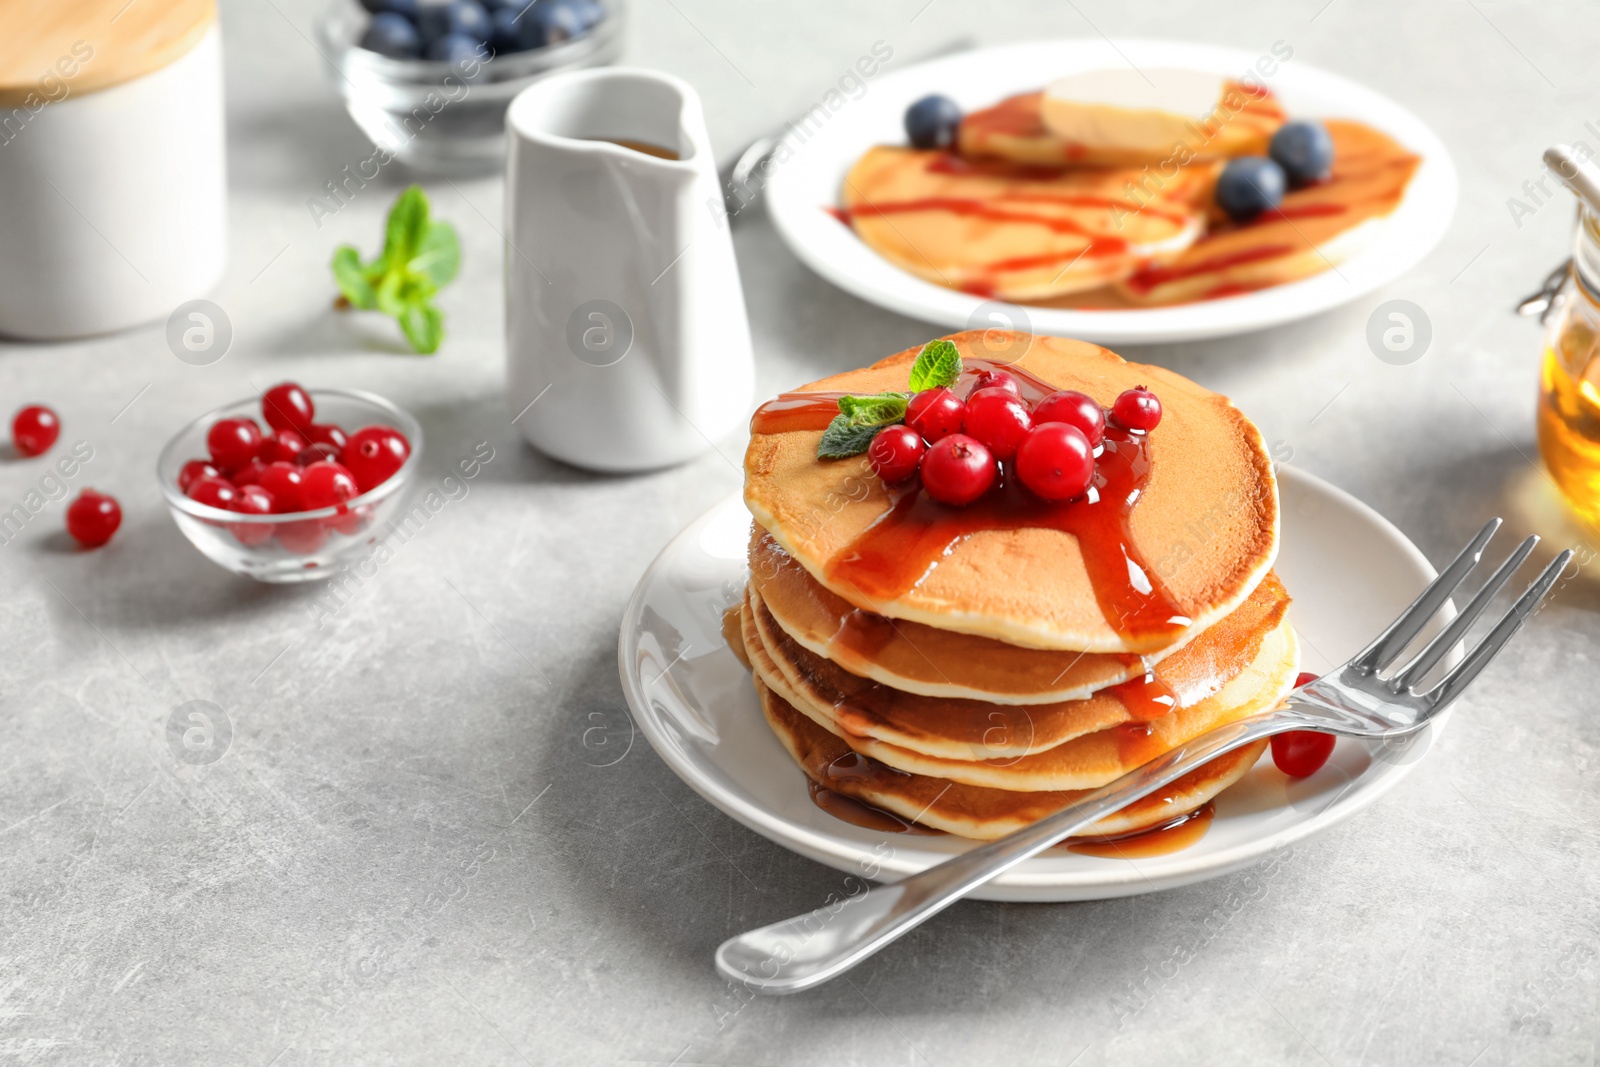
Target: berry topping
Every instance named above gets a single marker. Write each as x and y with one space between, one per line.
895 453
93 518
287 407
317 453
1056 461
1301 753
1136 409
958 470
1304 151
996 379
373 454
34 430
932 122
1248 186
998 419
282 444
213 492
283 481
194 470
233 443
1074 409
252 500
935 414
326 485
325 433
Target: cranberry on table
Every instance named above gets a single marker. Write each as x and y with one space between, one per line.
997 418
34 429
1074 409
958 469
93 518
321 452
1056 461
193 471
325 433
287 407
252 500
281 444
996 379
233 442
282 480
326 485
1136 409
895 453
934 413
373 454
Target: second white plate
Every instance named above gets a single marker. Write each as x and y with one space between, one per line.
819 155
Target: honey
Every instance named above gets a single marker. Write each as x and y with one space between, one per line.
1569 382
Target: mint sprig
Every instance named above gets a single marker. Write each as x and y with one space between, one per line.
861 417
420 256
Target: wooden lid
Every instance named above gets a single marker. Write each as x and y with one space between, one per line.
70 47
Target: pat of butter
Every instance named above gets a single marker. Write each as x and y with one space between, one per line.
1151 110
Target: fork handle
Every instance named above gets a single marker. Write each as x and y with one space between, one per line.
809 949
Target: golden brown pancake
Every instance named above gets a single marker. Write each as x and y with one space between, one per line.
1014 130
1097 754
1204 526
1314 228
1010 232
973 811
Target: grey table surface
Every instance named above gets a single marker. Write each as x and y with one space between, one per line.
406 853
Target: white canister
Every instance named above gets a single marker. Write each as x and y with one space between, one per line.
627 345
112 164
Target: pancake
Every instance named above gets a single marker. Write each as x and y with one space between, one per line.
1314 229
972 811
1014 130
1201 533
1015 233
1089 759
915 658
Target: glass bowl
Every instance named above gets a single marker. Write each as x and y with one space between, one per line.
304 546
429 116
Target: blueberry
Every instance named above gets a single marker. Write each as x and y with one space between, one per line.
432 19
393 36
1304 151
456 49
505 31
932 122
590 14
1248 186
408 8
468 18
551 22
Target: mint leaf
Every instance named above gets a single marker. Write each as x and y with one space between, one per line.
419 257
844 438
879 409
352 278
406 229
423 325
438 256
937 365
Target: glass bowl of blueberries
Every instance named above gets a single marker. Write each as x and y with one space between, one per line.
429 80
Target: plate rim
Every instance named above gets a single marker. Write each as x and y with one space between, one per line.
889 287
1021 882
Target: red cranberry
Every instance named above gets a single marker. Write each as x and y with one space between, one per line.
352 522
958 469
321 452
281 444
233 443
1137 409
303 537
895 453
326 433
1056 462
373 454
934 413
252 500
213 492
1074 409
1301 753
193 471
326 485
249 474
93 518
34 430
1305 678
282 480
996 379
287 407
998 419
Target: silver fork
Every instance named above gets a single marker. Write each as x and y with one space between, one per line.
1356 700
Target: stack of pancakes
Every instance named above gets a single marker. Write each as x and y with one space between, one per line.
995 690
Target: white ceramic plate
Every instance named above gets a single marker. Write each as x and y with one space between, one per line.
808 181
1350 573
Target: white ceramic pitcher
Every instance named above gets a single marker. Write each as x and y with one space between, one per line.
627 345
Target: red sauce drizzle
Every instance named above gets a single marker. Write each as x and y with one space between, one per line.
1147 279
898 551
